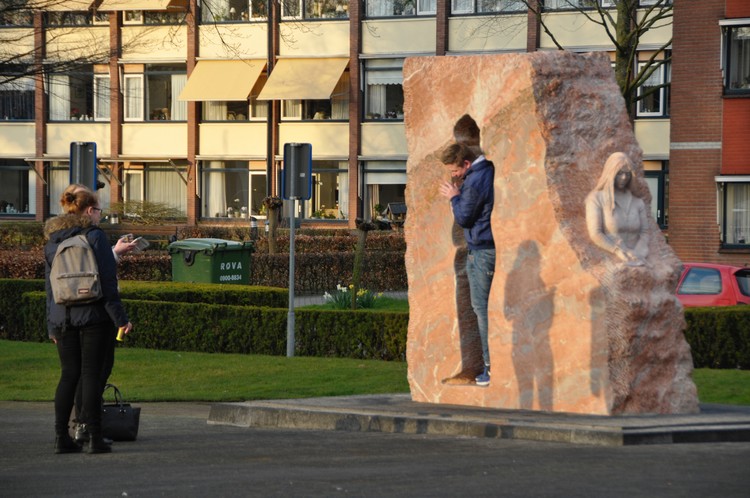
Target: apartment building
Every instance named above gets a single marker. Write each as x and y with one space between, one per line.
190 102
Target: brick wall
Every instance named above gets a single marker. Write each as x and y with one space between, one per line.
736 137
696 132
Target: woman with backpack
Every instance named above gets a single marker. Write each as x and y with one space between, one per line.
80 330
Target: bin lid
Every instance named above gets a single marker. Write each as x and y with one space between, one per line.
208 245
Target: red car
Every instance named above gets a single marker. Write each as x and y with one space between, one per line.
706 284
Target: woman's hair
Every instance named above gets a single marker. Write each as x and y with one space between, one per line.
77 198
606 183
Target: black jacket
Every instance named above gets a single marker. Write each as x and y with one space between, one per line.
107 309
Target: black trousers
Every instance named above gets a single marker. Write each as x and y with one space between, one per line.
109 363
82 352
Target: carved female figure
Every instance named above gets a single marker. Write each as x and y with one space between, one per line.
615 216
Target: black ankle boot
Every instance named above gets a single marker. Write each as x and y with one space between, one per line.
96 441
82 435
65 444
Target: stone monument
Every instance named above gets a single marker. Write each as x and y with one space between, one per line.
572 326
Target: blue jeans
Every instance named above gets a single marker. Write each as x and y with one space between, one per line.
480 268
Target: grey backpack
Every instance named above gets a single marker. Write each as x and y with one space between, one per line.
74 276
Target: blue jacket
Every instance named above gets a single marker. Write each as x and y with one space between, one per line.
472 207
109 308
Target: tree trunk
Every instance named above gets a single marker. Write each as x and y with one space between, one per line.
273 226
359 257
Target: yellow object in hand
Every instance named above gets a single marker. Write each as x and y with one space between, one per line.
121 334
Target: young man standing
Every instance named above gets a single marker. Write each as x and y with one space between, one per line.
472 207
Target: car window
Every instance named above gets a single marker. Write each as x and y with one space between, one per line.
701 281
743 281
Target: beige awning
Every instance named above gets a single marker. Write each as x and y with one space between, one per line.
62 5
222 80
312 79
109 5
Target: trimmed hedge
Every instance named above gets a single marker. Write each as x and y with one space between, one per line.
213 328
12 320
314 272
719 337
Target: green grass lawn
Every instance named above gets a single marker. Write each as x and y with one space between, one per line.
382 303
31 370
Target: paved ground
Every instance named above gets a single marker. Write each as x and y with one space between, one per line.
179 454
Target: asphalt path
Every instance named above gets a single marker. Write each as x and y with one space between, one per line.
178 454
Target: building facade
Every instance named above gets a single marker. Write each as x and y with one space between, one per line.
190 102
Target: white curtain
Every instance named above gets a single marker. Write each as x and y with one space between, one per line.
179 107
214 189
292 108
340 99
379 8
738 214
167 187
59 98
427 6
32 190
134 97
101 97
376 99
343 191
462 6
259 108
58 181
214 111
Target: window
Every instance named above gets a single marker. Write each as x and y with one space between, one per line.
65 18
17 97
655 101
132 17
575 4
735 212
58 178
336 108
315 9
72 96
238 110
13 17
330 191
164 185
216 11
386 184
151 17
658 184
157 89
486 6
231 189
737 63
706 281
394 8
225 111
384 93
17 188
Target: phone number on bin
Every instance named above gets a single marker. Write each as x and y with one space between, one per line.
229 278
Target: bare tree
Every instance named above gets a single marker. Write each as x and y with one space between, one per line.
625 23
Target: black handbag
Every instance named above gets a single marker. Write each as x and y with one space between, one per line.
120 420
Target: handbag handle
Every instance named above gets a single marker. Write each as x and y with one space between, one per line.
118 396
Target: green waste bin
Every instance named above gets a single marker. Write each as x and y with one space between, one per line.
214 261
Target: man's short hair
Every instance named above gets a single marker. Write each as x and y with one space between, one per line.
458 153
